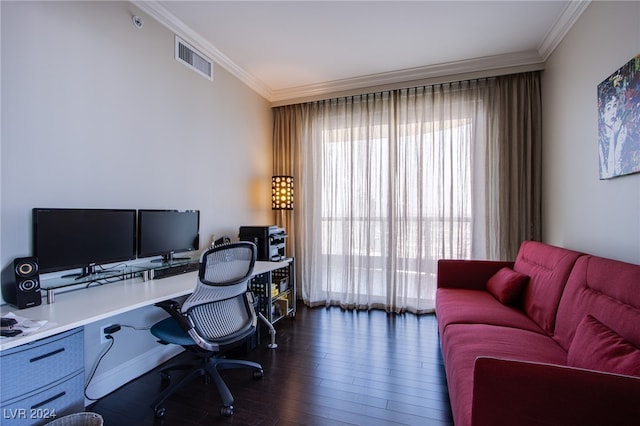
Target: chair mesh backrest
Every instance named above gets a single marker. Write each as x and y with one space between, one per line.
218 307
227 264
220 319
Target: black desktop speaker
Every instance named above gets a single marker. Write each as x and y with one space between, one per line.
21 284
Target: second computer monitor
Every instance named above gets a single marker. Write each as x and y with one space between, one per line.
165 232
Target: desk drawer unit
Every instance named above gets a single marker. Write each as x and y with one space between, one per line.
44 405
43 378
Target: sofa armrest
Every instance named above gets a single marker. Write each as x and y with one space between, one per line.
468 274
507 392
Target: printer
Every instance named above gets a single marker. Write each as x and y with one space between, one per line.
270 241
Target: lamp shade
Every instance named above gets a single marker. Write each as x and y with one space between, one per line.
282 193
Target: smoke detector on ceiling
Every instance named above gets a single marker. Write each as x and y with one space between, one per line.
137 21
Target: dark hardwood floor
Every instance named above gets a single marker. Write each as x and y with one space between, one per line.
331 367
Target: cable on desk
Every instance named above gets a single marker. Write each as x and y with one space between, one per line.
106 280
112 267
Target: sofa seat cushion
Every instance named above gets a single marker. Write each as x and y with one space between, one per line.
548 268
596 347
461 306
463 343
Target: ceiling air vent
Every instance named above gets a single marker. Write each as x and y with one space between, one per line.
193 59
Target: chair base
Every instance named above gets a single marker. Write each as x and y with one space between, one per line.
210 369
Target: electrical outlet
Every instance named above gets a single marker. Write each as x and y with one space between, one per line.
103 338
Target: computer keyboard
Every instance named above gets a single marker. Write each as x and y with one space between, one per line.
174 270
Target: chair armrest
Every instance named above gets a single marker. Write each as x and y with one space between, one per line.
467 274
507 392
173 308
170 306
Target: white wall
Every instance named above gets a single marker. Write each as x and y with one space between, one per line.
580 211
97 113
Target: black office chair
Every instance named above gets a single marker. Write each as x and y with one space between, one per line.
219 315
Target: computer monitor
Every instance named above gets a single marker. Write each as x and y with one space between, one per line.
82 238
165 232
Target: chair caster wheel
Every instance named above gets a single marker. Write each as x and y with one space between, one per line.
160 412
258 374
226 411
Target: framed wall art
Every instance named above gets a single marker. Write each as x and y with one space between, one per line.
619 121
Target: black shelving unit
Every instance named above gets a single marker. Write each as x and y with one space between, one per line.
275 292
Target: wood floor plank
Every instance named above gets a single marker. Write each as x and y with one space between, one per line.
332 368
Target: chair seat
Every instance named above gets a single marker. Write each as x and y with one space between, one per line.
169 331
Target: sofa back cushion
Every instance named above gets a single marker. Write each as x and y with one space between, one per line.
606 289
548 268
596 347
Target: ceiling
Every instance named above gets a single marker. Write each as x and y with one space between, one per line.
291 50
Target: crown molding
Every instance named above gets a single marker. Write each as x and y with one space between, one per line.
432 74
477 67
561 27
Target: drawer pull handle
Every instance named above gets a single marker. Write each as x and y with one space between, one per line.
41 357
53 398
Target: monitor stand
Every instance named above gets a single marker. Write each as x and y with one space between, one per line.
169 258
87 271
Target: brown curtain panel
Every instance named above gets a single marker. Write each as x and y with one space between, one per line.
514 164
289 123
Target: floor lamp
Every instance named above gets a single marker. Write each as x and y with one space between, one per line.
282 194
281 199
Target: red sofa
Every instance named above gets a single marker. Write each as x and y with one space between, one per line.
550 339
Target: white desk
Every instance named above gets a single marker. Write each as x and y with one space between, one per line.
81 307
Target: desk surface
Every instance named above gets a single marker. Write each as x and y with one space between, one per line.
80 307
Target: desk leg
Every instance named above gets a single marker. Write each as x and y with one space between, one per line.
272 331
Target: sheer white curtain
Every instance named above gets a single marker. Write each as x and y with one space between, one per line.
388 183
390 187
